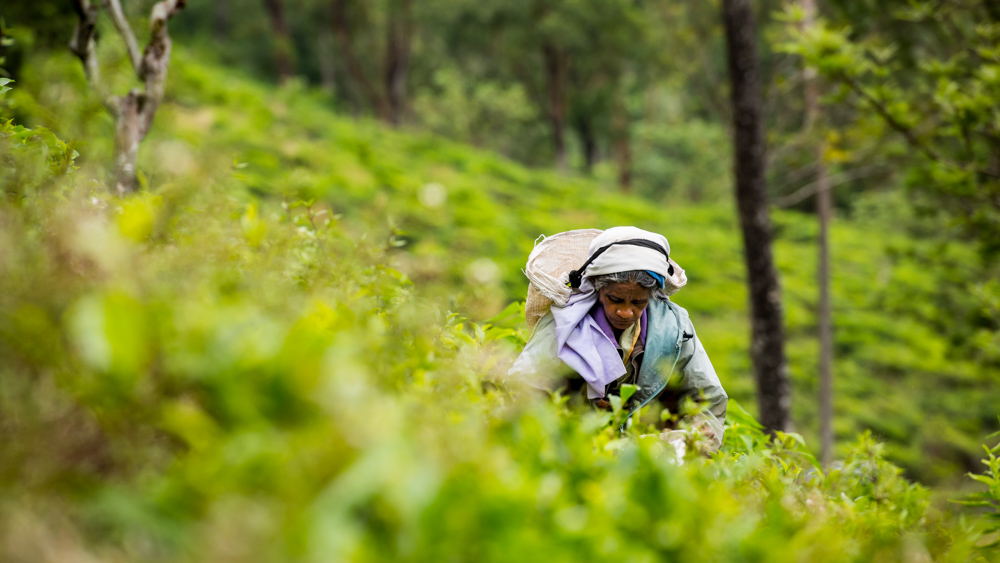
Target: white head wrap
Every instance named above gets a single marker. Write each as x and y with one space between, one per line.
626 257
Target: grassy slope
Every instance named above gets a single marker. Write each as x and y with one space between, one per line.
893 373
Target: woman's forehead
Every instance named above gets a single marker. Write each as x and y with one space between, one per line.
623 289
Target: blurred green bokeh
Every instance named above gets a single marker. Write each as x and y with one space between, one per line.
268 353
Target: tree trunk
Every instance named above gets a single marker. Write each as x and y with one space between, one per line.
134 112
588 144
622 142
342 31
82 43
282 40
556 68
767 339
221 21
127 138
624 157
327 61
824 213
397 62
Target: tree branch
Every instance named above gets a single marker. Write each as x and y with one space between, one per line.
813 188
156 57
125 30
883 111
82 45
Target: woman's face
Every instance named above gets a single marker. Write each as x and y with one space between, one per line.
623 303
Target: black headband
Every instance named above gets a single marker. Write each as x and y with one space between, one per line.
576 276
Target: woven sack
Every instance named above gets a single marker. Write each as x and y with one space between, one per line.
548 270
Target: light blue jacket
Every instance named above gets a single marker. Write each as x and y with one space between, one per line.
673 356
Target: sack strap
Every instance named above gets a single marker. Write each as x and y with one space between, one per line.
576 276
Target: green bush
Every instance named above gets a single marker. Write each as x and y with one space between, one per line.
268 355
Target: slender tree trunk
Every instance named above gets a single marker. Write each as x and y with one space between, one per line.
556 68
622 142
588 144
128 135
327 60
221 21
398 58
624 154
282 40
83 45
767 341
342 31
824 212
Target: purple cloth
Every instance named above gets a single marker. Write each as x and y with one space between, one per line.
584 346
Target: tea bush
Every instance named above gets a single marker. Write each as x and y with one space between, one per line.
268 355
208 392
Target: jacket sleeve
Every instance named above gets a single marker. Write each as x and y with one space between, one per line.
699 381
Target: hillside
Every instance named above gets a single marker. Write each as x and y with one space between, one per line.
263 341
459 224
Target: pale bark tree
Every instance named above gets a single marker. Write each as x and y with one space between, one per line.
824 213
767 338
133 112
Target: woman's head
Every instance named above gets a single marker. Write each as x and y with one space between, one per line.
624 295
621 251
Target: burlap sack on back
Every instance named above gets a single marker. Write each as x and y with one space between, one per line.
548 270
550 263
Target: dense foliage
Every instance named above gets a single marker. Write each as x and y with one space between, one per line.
255 358
933 83
459 223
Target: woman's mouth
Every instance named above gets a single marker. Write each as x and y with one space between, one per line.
620 324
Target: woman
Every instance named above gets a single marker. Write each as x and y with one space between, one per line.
619 327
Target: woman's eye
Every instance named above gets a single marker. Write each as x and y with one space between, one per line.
615 299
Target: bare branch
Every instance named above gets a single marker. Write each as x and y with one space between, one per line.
815 187
793 176
125 30
82 43
85 48
883 111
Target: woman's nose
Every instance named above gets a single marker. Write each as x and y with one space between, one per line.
625 313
